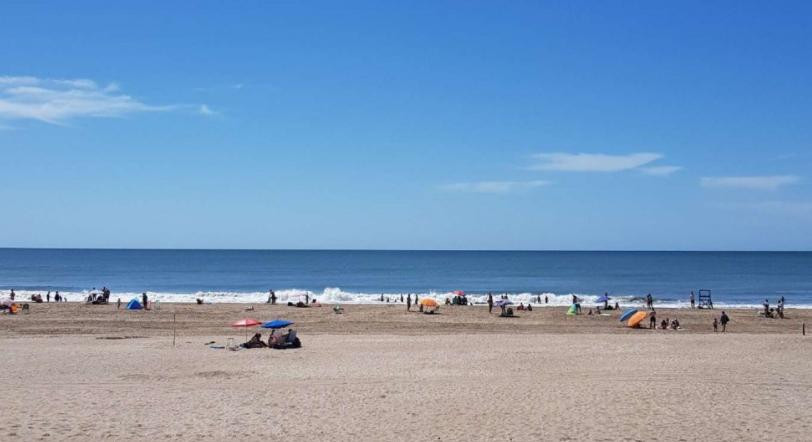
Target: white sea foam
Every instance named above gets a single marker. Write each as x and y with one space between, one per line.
334 295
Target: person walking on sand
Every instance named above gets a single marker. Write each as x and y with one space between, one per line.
48 296
692 299
408 302
490 303
652 321
145 300
715 325
118 303
724 319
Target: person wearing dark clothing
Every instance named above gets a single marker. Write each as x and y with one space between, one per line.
724 319
144 300
48 297
490 303
715 325
408 302
652 321
692 299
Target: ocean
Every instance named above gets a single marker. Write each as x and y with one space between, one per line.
737 279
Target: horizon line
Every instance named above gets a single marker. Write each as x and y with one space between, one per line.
204 249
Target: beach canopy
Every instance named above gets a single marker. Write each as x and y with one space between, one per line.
277 323
134 305
428 302
459 293
627 314
572 310
7 302
603 298
247 322
636 319
503 302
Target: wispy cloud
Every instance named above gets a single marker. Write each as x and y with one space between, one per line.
206 110
494 186
592 162
59 100
771 182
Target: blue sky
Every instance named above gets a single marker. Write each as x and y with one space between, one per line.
416 125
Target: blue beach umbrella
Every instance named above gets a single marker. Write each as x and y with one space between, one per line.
277 323
627 314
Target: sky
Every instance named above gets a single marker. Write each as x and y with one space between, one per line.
606 125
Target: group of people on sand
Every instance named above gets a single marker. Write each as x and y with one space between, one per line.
777 312
278 341
98 298
37 298
272 298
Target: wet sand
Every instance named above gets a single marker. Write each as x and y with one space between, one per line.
80 372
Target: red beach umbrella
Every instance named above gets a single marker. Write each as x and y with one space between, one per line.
246 322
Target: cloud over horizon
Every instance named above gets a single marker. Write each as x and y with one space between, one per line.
56 101
767 182
494 186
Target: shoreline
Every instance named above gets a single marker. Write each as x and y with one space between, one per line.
74 318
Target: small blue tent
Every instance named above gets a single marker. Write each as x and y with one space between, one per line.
134 305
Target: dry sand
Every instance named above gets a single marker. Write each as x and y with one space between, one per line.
379 373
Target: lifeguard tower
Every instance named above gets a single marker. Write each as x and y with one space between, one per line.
705 300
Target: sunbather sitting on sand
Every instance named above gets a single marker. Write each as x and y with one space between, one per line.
255 342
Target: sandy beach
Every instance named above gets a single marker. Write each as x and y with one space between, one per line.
82 372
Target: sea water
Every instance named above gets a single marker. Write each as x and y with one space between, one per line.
742 279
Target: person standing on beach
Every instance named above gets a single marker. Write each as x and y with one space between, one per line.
724 319
118 303
649 302
692 299
145 300
48 296
409 302
490 303
715 325
12 294
546 300
652 321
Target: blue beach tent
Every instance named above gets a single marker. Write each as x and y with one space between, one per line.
134 305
